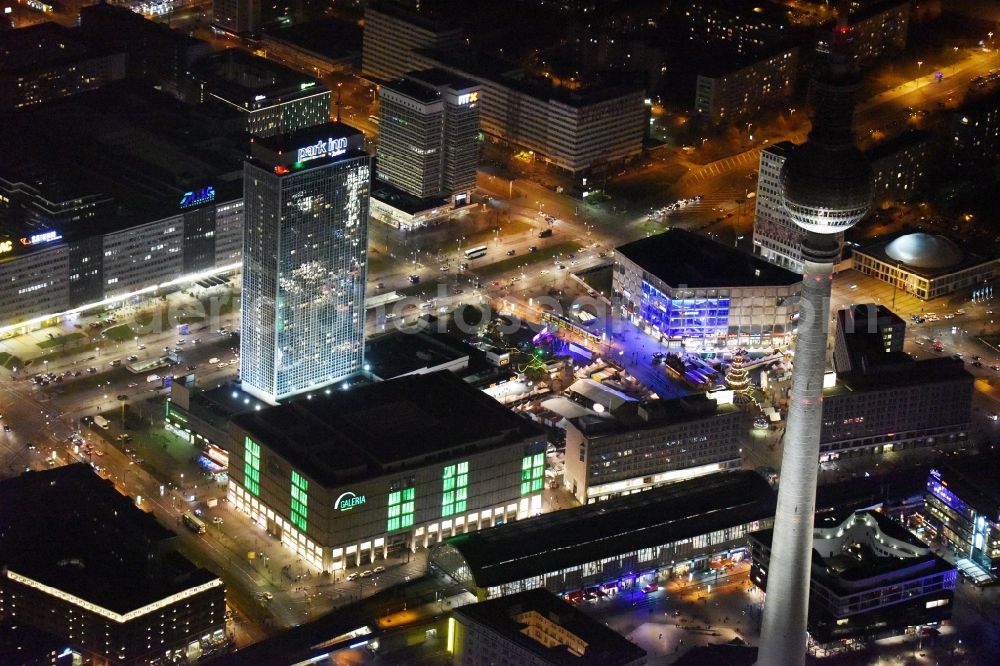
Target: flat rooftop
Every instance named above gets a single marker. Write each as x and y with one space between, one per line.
477 66
413 90
331 38
652 414
906 372
682 258
139 147
589 533
390 426
39 46
99 550
975 481
602 646
898 143
404 201
400 353
249 81
436 76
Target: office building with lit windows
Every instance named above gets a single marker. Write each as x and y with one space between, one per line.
108 581
865 334
639 445
238 16
743 26
120 206
394 37
535 628
429 135
272 98
775 237
47 61
305 246
623 542
690 290
346 477
974 135
891 402
728 90
962 509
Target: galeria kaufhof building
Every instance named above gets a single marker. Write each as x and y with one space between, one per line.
351 476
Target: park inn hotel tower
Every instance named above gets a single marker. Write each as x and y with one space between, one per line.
304 260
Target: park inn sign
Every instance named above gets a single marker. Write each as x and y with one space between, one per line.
348 501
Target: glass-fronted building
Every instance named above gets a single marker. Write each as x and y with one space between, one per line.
345 478
962 509
691 291
305 251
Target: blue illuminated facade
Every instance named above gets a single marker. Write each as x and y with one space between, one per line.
968 525
704 318
692 292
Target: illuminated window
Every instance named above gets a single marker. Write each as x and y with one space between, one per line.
400 509
532 473
455 489
251 465
300 500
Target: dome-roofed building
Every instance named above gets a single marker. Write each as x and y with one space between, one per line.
925 265
921 250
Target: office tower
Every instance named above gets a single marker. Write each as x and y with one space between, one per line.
428 134
304 256
865 334
239 16
395 36
827 188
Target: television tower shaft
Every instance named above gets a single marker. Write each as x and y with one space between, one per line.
783 634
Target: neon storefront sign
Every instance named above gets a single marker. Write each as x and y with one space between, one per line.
468 98
6 246
38 239
348 501
324 148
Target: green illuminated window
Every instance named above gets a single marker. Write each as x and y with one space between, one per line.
400 509
251 466
300 500
532 473
454 489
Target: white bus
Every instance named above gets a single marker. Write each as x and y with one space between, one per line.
475 252
193 523
102 422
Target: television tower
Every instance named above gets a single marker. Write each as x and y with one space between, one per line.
827 187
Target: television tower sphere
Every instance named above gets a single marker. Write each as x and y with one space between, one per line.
826 189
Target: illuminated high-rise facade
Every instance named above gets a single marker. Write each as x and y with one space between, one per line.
304 253
826 184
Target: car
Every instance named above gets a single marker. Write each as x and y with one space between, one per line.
380 285
141 347
960 312
652 587
115 363
217 520
957 356
949 316
92 371
533 248
122 396
353 576
414 279
30 446
6 427
132 359
994 417
132 385
367 574
464 266
265 596
379 570
444 269
511 253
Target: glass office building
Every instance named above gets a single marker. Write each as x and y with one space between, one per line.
304 249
